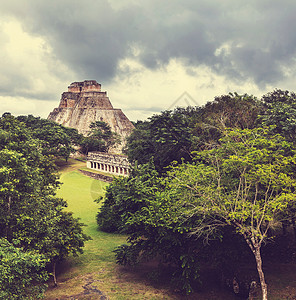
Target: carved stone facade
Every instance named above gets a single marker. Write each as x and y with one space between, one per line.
108 163
84 103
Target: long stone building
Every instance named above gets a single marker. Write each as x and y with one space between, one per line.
84 103
108 163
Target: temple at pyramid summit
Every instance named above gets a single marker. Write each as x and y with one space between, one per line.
84 103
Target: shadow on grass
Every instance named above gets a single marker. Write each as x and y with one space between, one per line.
158 277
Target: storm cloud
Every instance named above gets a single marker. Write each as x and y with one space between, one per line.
240 40
145 53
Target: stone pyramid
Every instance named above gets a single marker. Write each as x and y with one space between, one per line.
85 103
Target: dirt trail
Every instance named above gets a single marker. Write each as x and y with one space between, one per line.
90 292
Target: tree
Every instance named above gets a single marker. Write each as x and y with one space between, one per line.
30 213
280 112
63 238
57 140
28 178
173 135
226 111
127 195
166 137
136 206
247 183
140 146
100 138
22 274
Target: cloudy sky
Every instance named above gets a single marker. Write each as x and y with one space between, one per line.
145 53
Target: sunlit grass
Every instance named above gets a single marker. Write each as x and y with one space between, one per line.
80 192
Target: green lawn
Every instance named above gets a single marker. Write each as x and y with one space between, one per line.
80 192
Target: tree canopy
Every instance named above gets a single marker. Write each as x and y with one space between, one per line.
217 173
32 218
22 273
173 135
166 138
100 138
247 183
280 112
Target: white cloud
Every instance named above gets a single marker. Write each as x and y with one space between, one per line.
140 92
24 106
30 58
29 75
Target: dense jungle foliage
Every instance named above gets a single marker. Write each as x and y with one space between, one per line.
212 184
35 230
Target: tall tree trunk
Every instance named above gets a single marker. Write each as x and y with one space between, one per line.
260 271
54 273
294 228
255 247
285 225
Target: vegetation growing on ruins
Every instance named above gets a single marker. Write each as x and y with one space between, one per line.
61 141
202 174
100 138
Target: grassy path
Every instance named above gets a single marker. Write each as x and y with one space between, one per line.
95 270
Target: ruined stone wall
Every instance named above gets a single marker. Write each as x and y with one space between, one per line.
85 100
108 163
97 176
85 86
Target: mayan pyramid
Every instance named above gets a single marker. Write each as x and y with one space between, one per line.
85 103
